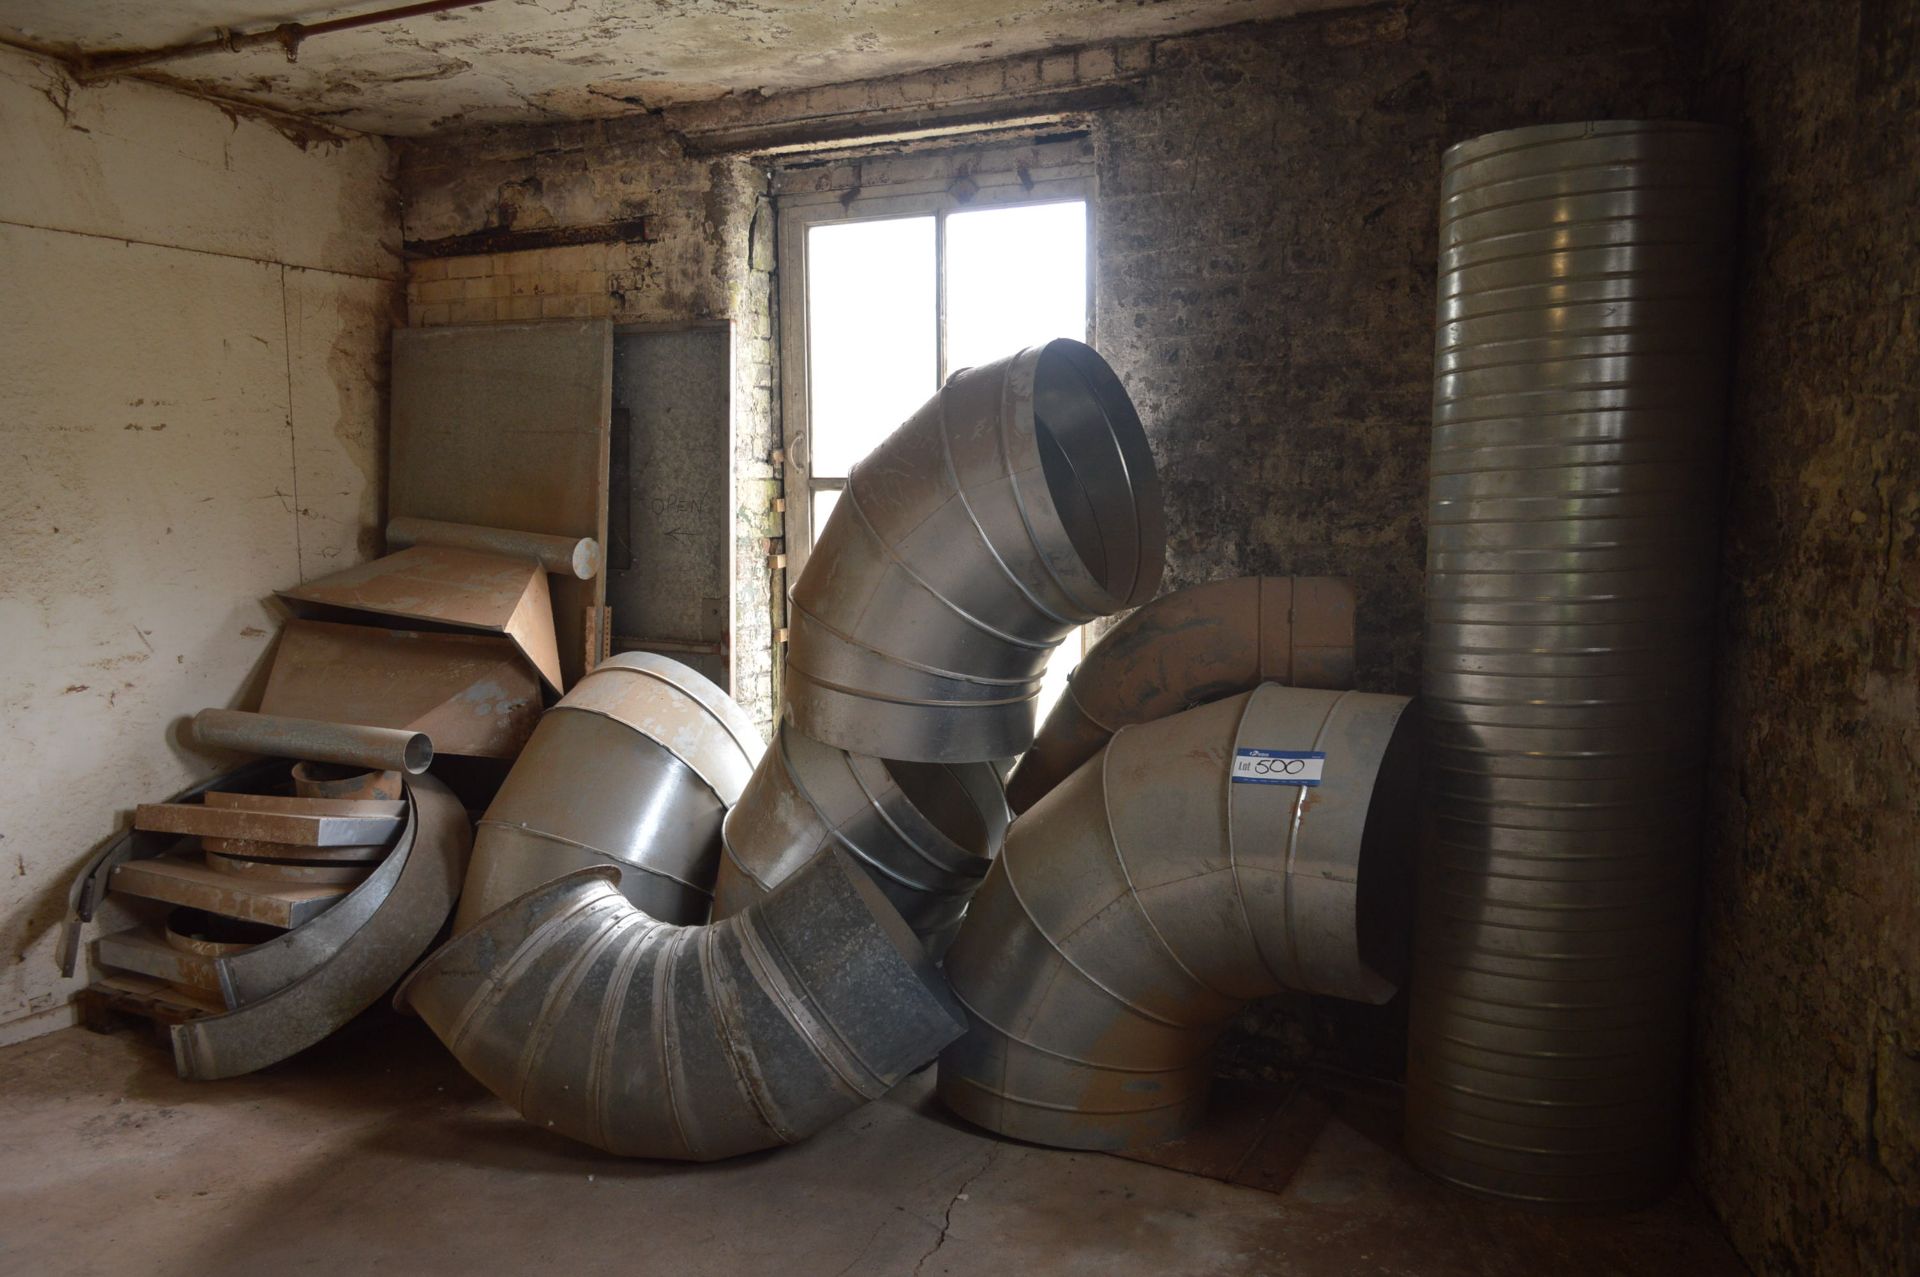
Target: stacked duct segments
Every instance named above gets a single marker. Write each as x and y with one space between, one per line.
1580 374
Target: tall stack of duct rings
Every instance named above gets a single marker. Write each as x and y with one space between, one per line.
1581 364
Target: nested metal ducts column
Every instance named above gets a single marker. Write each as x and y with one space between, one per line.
1580 374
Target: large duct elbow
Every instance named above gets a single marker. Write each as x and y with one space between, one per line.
1252 845
634 768
1017 504
651 1040
1187 648
924 832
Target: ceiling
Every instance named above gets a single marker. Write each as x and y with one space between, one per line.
527 60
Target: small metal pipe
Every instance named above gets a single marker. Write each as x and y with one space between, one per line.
288 35
375 748
568 556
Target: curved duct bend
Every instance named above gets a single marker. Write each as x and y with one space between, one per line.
924 832
1175 877
1017 504
651 1040
635 767
1187 648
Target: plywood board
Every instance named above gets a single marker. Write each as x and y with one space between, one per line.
506 426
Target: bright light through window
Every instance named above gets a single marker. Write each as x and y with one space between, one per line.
1016 276
872 345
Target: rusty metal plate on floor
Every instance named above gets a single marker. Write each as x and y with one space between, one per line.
439 585
473 694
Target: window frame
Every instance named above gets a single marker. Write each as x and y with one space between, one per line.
800 212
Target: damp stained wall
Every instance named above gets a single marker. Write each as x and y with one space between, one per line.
1806 1096
192 353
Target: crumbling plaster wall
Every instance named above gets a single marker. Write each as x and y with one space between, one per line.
192 355
1807 1086
707 256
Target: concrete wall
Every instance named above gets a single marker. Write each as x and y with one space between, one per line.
707 256
192 352
1807 1095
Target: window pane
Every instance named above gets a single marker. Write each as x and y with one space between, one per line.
871 353
1016 276
823 501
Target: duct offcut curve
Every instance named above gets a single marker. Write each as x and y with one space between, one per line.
1184 649
1184 871
651 1040
635 767
1017 504
924 832
1579 390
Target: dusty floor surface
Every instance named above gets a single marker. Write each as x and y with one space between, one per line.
374 1153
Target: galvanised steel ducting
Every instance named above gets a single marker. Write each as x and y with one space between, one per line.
635 767
1185 870
651 1040
924 832
1187 648
1580 374
1019 503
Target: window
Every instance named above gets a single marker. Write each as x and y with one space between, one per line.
886 294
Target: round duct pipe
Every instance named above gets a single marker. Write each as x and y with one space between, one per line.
651 1040
635 767
924 832
1187 648
1252 845
1580 373
1017 504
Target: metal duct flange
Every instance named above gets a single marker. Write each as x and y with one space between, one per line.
651 1040
1255 844
1580 372
924 832
635 767
1184 649
1019 503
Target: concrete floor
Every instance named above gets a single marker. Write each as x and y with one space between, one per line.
374 1153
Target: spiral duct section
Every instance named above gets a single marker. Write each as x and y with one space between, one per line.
1254 844
924 832
634 768
1187 648
1017 504
651 1040
1580 370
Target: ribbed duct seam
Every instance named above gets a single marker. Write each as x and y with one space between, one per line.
1184 649
924 832
1017 504
635 768
1186 869
650 1040
1580 371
